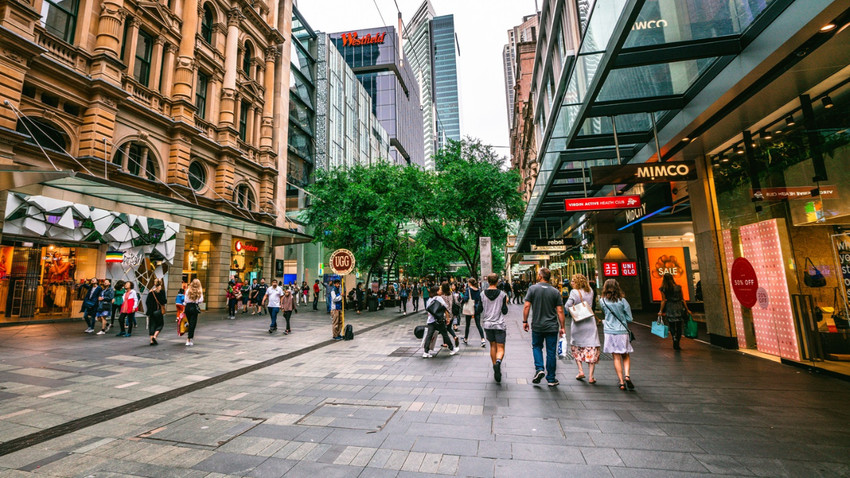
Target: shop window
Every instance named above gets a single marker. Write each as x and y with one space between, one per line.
201 95
135 157
144 51
60 18
44 133
244 197
197 175
207 24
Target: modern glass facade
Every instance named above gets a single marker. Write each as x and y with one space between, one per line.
302 109
392 87
418 50
446 99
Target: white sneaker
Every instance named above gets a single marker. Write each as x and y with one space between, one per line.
89 330
102 332
188 343
454 351
426 355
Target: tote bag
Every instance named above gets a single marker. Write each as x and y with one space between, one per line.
581 311
659 329
469 306
691 328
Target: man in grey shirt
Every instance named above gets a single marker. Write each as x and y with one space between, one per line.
494 303
547 324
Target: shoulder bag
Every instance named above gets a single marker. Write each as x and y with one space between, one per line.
581 310
813 277
625 324
437 309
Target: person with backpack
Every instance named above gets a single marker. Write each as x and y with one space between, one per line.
438 318
414 296
403 294
470 309
673 308
494 306
618 340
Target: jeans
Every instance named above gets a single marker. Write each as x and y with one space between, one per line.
477 324
416 304
89 315
403 304
315 301
127 321
231 306
441 328
273 311
551 339
116 310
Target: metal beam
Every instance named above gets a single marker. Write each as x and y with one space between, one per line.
597 140
680 51
638 105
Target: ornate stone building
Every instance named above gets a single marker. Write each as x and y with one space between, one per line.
523 139
170 109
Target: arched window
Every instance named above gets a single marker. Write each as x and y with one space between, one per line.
244 197
246 59
134 157
44 133
207 23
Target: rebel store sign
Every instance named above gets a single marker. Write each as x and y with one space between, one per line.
644 173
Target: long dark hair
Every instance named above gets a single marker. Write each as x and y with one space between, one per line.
668 285
611 291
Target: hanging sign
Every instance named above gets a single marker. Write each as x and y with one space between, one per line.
535 257
745 284
794 192
552 245
342 261
644 173
597 203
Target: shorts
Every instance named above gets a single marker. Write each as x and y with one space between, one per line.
495 335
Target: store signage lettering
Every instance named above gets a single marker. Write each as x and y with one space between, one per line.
608 202
536 257
351 39
793 192
242 246
841 243
610 269
551 245
644 173
629 269
641 25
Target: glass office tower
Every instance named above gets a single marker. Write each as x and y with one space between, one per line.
445 79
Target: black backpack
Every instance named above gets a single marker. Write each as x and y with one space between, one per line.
349 332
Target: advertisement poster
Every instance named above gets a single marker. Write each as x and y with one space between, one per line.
662 260
841 243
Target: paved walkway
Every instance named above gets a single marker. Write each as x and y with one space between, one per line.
374 407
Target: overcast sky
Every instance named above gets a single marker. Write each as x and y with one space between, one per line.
481 27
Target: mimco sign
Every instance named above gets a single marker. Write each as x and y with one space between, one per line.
644 173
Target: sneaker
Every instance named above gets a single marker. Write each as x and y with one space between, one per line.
191 343
120 334
426 355
89 330
128 334
233 317
538 376
271 330
102 332
483 343
554 383
497 371
454 351
337 338
188 343
108 326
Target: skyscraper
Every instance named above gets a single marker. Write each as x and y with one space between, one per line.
431 48
522 33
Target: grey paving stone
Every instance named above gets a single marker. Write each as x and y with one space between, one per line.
514 468
230 463
494 449
722 464
522 426
546 453
662 460
323 470
272 468
474 466
452 446
601 456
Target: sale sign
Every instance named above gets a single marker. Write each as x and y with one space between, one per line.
610 269
745 284
608 202
664 260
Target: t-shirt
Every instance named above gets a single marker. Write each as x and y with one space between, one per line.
261 291
274 293
544 300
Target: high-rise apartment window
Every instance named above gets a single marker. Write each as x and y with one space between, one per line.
243 120
144 49
60 18
207 24
201 95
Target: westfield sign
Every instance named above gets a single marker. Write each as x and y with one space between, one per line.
351 39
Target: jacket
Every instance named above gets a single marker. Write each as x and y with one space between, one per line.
492 302
106 304
615 314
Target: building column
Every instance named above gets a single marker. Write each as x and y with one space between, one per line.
156 62
267 123
183 73
224 177
219 270
179 156
212 95
258 119
109 24
168 69
132 42
231 52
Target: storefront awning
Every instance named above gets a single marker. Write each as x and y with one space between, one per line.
124 194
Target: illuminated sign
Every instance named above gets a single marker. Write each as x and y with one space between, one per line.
351 39
610 269
644 173
608 202
629 269
241 246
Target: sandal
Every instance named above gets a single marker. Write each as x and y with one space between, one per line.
580 376
629 382
622 386
592 380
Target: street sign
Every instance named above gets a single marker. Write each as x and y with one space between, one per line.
597 203
342 261
644 173
535 257
552 245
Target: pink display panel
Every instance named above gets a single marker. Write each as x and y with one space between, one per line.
729 253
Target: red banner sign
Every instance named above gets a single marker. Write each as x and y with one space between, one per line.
629 268
745 284
610 269
242 246
608 202
350 39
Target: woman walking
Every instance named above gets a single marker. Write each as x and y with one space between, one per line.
584 335
437 323
104 306
617 336
117 300
414 296
192 303
233 294
449 299
129 306
472 298
674 307
155 310
287 305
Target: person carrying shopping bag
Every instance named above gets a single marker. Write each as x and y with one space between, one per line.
673 308
584 334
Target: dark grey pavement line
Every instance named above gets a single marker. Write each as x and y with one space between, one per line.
42 436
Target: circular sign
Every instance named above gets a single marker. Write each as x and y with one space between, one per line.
763 299
744 282
342 261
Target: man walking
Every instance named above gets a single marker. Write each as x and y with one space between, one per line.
260 295
494 304
272 300
336 308
547 324
90 303
316 295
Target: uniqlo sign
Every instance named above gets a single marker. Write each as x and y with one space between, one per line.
608 202
629 268
610 269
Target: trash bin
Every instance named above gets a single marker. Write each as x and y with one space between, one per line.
372 302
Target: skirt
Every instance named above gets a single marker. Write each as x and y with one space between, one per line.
617 344
585 354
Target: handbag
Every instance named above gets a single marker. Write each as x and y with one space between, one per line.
691 328
813 277
436 308
469 306
581 311
659 329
